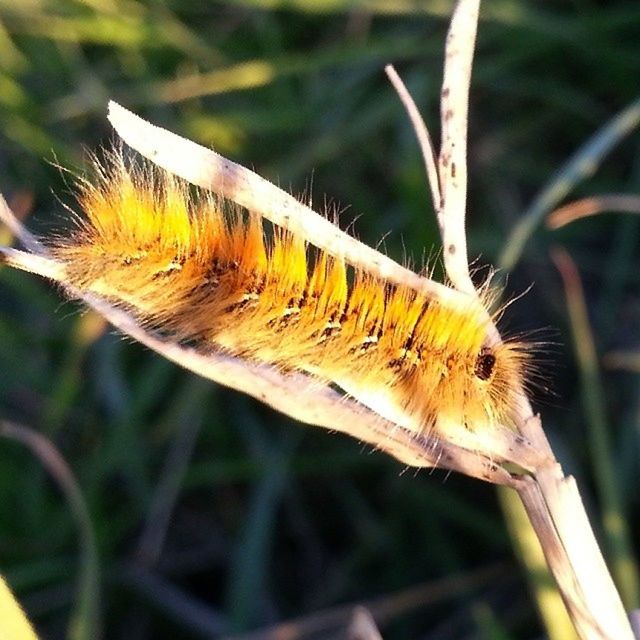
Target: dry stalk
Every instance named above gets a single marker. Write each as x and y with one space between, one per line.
551 499
452 160
207 169
297 395
592 206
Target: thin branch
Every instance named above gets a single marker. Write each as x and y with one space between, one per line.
362 626
209 170
85 623
18 229
615 528
586 207
548 496
624 360
421 133
301 397
385 608
452 163
581 164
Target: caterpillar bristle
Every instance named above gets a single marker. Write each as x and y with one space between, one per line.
200 271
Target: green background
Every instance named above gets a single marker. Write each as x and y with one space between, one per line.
212 514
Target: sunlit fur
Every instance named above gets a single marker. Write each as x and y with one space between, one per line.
209 277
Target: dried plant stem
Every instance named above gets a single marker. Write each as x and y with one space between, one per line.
85 622
550 604
209 170
580 165
559 519
303 398
616 532
19 230
551 499
421 132
621 202
452 162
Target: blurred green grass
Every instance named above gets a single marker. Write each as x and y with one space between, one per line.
213 514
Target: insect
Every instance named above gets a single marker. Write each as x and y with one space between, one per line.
202 274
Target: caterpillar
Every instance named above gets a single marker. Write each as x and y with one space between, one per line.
187 265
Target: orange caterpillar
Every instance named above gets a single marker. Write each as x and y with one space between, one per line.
183 266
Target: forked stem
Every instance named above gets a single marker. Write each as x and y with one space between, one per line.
550 498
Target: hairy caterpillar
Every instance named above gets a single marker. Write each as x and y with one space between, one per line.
210 278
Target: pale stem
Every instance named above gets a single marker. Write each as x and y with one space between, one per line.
591 206
421 133
18 229
582 164
452 162
296 395
551 500
209 170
